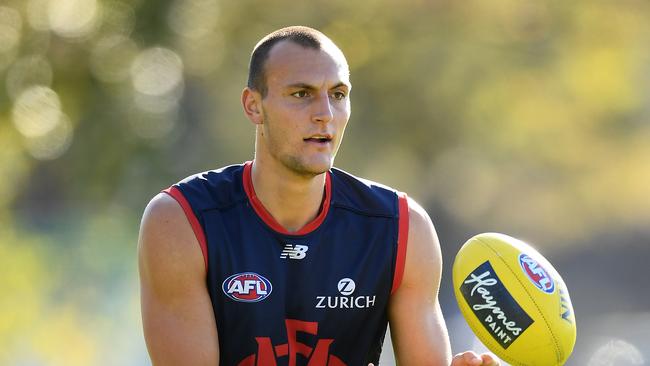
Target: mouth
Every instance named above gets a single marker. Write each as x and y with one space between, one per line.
320 139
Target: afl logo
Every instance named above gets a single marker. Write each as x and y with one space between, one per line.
536 274
247 287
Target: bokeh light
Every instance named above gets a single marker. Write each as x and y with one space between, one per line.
10 28
617 352
194 18
111 58
37 111
157 78
37 14
52 144
196 24
118 17
153 125
38 116
10 33
28 71
73 18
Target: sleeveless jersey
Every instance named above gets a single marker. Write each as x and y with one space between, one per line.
315 297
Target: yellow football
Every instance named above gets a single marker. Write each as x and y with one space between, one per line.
514 300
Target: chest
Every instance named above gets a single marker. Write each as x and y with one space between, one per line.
342 264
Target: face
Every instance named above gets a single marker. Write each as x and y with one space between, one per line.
307 106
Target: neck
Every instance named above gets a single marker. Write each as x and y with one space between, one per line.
292 199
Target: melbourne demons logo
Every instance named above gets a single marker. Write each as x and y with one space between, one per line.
247 287
536 273
268 354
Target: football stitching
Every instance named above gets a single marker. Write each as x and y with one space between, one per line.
558 351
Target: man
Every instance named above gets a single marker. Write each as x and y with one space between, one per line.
286 260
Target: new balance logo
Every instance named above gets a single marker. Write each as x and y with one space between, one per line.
294 251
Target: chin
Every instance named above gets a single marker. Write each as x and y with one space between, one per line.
315 170
307 168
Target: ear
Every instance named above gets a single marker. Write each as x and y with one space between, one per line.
251 100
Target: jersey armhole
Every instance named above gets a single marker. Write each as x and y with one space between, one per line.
176 194
402 240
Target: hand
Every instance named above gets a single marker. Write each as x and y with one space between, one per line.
470 358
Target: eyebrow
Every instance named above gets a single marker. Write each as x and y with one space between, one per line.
311 87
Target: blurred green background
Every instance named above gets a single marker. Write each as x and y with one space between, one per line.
525 117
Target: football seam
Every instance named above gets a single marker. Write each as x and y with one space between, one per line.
558 350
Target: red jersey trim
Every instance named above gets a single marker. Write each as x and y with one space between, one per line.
266 216
191 217
402 240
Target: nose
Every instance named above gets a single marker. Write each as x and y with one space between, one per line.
322 109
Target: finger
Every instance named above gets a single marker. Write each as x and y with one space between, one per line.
466 358
489 360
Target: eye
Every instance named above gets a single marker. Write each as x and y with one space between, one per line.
339 95
301 94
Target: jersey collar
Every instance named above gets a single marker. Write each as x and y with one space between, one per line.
263 214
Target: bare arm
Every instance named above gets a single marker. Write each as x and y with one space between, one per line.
178 320
417 326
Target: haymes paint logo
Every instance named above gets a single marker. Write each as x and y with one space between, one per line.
493 305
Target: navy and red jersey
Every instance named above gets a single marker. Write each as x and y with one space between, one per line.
315 297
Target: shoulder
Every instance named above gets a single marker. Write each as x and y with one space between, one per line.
162 208
423 257
214 188
168 250
165 229
420 223
363 195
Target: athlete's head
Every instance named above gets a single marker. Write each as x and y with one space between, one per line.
298 96
300 35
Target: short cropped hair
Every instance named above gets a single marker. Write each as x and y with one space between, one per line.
303 36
